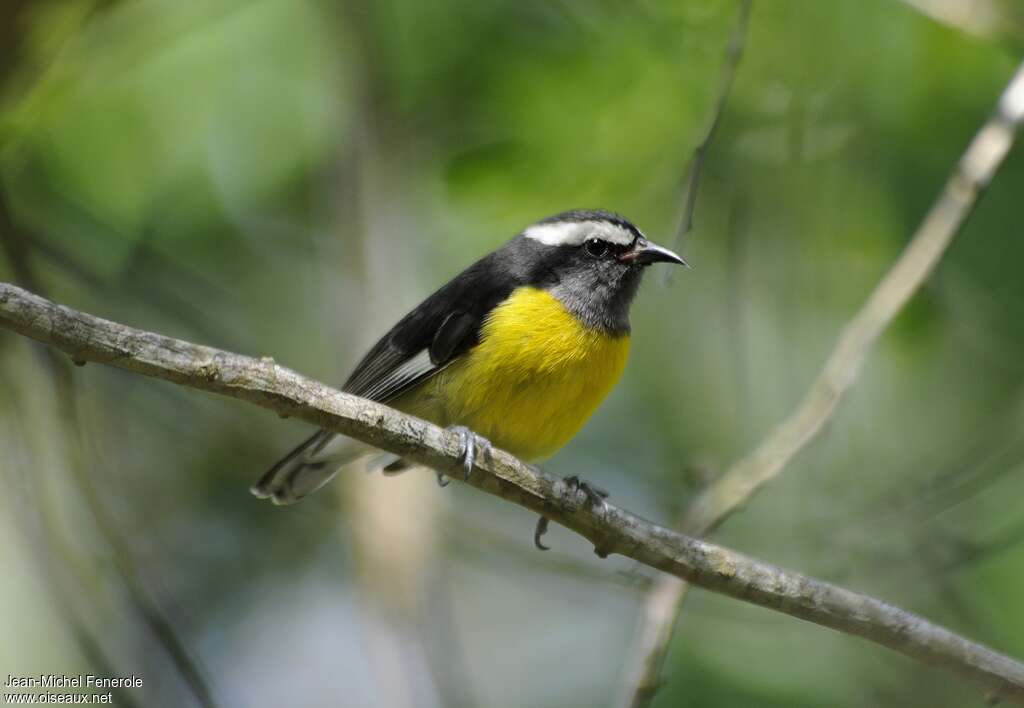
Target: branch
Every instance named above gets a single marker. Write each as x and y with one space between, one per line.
740 482
611 529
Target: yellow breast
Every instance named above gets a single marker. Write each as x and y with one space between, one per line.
535 378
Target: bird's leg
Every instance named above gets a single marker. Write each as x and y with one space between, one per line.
595 495
470 443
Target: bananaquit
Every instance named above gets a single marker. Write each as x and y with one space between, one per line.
519 348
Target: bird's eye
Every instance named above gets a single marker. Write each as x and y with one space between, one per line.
596 247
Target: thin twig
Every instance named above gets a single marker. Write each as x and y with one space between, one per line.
59 566
695 165
610 528
733 489
15 246
970 177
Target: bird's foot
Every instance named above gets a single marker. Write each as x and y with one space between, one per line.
472 446
595 495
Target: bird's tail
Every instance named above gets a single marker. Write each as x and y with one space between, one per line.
308 467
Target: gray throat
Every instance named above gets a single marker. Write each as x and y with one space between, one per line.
599 304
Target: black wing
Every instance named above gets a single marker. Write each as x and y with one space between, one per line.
437 331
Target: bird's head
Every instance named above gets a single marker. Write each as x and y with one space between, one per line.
591 260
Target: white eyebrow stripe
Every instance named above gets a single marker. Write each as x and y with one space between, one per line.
574 233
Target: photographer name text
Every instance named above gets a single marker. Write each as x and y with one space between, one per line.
69 681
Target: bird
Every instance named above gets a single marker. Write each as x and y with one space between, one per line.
516 351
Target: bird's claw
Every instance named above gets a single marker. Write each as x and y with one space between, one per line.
471 444
442 481
538 533
595 495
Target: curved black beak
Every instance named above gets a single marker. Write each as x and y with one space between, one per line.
645 253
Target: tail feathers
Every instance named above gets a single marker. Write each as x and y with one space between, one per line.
308 467
396 466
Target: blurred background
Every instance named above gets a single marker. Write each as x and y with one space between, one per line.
287 177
